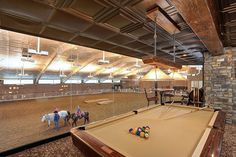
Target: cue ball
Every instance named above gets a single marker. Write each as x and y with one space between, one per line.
146 135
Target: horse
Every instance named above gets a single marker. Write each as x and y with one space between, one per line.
75 118
65 115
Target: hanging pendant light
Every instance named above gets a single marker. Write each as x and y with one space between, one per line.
177 76
156 75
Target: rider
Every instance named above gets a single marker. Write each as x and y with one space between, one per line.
79 113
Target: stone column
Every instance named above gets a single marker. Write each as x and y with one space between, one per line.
220 83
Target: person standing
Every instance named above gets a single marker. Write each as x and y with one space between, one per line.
56 119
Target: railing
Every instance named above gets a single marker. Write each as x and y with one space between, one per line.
16 97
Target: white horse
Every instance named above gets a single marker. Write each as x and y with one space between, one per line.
50 117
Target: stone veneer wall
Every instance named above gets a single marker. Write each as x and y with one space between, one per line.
220 82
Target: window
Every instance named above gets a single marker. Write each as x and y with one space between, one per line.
116 81
73 81
49 81
107 81
18 82
91 81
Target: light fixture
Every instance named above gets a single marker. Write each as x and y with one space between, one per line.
27 59
76 63
61 74
156 75
38 52
156 14
169 70
137 65
110 76
176 76
103 60
22 71
90 75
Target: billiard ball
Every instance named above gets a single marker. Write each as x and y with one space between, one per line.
147 131
142 134
138 132
139 129
134 131
146 135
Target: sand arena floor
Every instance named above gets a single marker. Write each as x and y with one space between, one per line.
20 121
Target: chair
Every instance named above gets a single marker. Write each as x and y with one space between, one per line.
170 96
154 98
196 97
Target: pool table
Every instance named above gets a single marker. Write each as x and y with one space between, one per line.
175 131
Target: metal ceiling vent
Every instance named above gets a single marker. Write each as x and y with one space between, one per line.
103 60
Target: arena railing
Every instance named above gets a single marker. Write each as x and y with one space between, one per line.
17 97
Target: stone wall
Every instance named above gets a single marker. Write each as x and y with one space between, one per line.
220 82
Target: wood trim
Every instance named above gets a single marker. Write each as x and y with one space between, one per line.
162 19
213 144
220 121
90 146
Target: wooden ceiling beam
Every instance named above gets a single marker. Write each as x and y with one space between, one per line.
158 15
201 16
160 62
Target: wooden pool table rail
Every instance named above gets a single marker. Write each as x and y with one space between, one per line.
213 144
90 146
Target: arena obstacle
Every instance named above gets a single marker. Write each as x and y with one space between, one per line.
96 100
105 102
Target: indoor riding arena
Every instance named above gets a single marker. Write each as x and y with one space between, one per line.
118 78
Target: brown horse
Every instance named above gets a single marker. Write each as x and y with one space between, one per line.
75 118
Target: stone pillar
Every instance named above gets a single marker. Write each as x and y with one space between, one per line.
220 83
